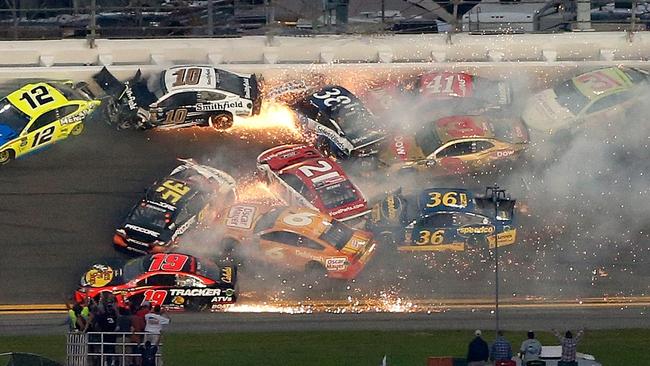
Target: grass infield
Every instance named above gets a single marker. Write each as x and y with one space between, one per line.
611 347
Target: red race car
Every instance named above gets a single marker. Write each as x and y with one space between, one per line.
300 175
173 280
455 92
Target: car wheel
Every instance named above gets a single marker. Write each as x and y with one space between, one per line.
77 130
222 121
6 156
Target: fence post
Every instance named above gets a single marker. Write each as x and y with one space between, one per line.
93 24
210 18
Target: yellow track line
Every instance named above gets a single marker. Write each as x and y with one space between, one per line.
410 305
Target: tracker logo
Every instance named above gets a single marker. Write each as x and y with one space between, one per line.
219 106
142 230
195 292
222 299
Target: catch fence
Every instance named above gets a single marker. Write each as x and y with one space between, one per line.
106 349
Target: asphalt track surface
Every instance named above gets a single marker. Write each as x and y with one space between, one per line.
58 210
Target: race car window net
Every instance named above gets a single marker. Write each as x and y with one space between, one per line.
609 101
338 234
354 120
427 139
570 97
147 216
337 195
12 117
179 100
267 220
44 120
230 82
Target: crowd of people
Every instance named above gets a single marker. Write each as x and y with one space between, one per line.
501 354
104 316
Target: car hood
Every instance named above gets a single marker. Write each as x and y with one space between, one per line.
544 113
6 134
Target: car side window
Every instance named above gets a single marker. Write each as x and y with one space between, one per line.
44 120
437 220
457 149
207 96
608 101
160 280
179 100
324 120
183 280
282 237
295 183
67 110
305 242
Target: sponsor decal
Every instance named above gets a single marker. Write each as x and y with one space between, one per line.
130 97
400 147
163 204
99 275
475 229
247 88
284 153
178 300
308 255
336 263
240 217
219 106
332 136
503 153
183 228
137 242
195 292
391 207
226 274
222 299
347 209
75 117
142 230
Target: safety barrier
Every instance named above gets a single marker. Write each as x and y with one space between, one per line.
97 348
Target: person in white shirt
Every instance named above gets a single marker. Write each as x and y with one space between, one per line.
153 325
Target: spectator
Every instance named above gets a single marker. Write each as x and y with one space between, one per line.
147 354
501 349
107 323
477 352
569 346
530 349
78 315
153 325
138 323
124 326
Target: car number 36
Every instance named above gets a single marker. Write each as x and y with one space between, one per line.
332 97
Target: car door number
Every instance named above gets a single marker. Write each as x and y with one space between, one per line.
156 297
323 167
37 97
332 96
43 136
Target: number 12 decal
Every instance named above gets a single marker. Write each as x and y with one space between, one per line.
37 97
43 136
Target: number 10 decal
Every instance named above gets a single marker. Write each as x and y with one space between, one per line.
43 136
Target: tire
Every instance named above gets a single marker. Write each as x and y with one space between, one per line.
222 121
7 156
77 130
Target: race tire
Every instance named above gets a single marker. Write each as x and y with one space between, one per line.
222 121
6 156
77 130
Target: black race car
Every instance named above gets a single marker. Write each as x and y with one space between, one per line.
184 96
440 219
343 126
189 195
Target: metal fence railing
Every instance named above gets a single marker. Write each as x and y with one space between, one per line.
106 349
230 18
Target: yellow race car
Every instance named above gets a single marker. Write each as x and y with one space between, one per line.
40 114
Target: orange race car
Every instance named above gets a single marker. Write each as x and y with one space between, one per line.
298 239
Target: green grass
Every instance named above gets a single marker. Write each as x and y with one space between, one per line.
611 347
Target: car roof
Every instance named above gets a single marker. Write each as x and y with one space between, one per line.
18 99
313 177
155 195
462 126
312 226
207 79
614 75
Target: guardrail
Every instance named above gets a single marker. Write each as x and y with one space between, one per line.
105 348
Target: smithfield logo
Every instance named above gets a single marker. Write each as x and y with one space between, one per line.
474 229
219 106
130 97
247 88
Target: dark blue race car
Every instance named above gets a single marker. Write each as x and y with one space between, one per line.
439 219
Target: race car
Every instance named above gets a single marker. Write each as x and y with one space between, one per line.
184 96
452 92
341 124
302 176
593 97
175 281
439 219
456 144
190 194
40 114
297 239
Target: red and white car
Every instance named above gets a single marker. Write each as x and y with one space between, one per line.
302 176
455 92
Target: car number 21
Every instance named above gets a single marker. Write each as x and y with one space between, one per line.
332 96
